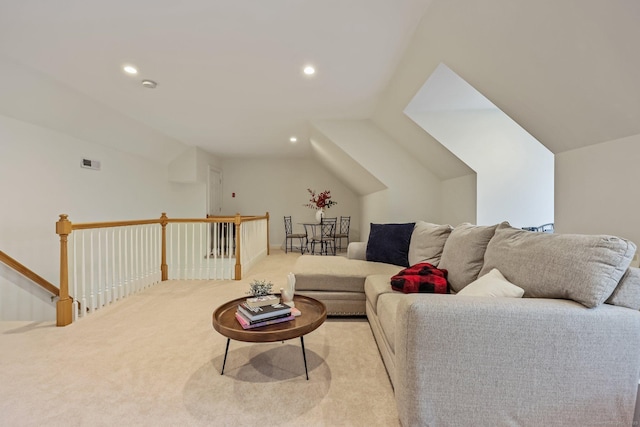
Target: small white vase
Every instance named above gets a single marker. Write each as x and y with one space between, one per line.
288 293
319 215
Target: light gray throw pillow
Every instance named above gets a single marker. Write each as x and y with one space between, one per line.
582 268
463 253
427 242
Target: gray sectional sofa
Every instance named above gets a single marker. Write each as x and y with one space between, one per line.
566 353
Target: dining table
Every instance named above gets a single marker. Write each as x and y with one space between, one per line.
311 229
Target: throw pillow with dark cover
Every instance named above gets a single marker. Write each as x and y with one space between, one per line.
421 278
389 243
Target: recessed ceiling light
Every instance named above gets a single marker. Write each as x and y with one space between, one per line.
293 139
130 69
309 70
149 84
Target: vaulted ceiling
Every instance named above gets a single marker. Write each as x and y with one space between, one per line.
229 72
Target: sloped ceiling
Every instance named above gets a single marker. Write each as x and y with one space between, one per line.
566 71
31 96
229 72
356 177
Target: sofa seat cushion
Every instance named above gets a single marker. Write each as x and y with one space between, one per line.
386 311
376 285
335 273
582 268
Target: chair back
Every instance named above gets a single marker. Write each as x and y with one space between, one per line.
328 227
288 228
344 224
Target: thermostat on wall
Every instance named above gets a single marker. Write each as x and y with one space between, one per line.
90 164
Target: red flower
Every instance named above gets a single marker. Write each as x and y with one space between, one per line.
321 200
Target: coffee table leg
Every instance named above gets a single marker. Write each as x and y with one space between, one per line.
304 356
224 362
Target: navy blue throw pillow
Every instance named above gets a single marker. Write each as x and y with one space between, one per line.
389 243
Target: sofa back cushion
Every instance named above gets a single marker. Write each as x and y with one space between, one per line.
463 253
582 268
427 243
627 293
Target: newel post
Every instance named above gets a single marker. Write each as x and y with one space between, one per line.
237 223
164 269
64 306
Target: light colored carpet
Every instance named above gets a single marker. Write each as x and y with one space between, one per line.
154 359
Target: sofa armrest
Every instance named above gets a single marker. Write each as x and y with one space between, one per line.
357 250
510 361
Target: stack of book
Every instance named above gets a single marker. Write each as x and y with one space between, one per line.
250 315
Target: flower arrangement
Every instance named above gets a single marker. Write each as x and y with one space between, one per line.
320 200
259 288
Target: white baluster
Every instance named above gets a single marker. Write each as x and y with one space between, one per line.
107 265
184 256
92 294
99 277
136 257
114 295
145 256
83 284
127 262
120 276
74 277
192 256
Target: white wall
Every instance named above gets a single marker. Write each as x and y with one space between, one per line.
413 192
596 189
375 209
514 171
279 186
459 200
41 177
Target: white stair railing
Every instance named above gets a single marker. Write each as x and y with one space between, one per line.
201 250
106 262
252 242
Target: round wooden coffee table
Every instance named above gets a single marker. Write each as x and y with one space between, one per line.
314 313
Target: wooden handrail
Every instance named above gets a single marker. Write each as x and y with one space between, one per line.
29 274
210 219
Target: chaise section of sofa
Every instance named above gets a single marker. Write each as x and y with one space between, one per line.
337 281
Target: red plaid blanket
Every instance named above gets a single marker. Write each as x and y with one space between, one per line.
422 277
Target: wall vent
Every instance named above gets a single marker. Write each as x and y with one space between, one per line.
90 164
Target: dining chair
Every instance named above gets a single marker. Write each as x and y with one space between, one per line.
343 232
290 236
326 237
